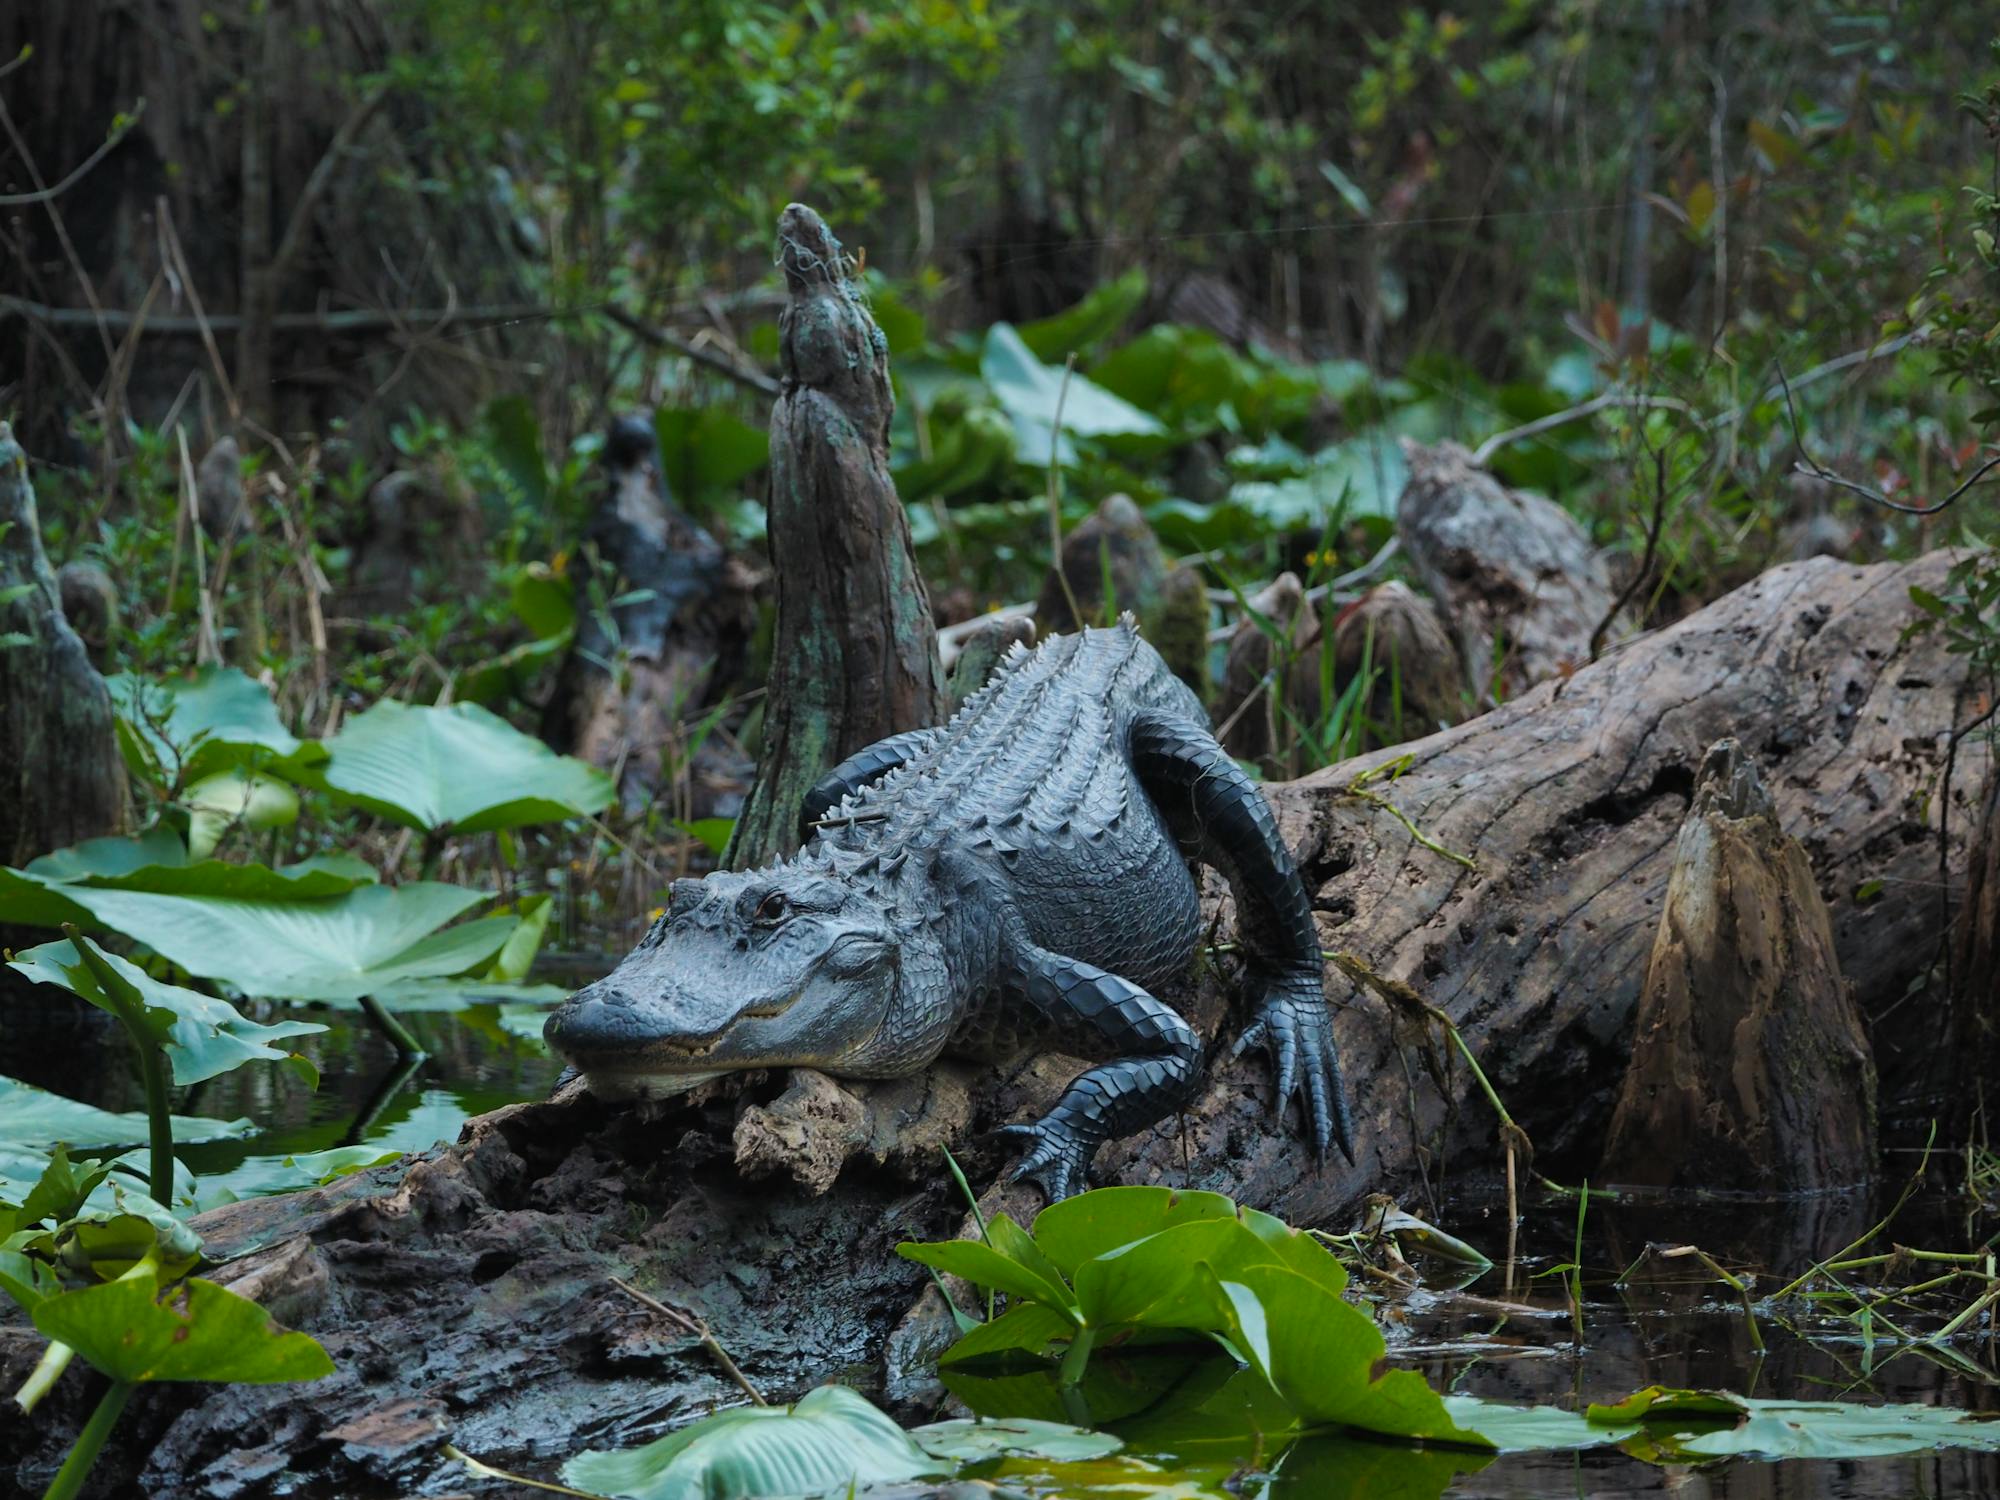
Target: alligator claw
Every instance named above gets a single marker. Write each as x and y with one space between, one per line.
1057 1164
1298 1032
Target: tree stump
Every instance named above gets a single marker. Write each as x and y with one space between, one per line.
1750 1069
1514 575
1420 683
64 781
855 658
663 619
61 777
1262 684
1113 562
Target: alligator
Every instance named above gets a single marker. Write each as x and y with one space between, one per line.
1018 877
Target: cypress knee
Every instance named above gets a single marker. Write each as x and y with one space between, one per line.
855 656
1750 1069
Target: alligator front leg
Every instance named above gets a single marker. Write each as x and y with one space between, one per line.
1113 1099
1217 812
869 764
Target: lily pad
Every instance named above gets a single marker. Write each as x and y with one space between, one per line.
31 1117
831 1440
1030 392
460 767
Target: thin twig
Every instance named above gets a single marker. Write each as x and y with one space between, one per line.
698 1329
56 190
1809 465
1555 419
1055 496
756 380
1645 569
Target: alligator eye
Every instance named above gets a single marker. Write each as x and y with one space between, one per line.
772 908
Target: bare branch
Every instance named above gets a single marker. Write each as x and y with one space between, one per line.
756 380
1809 465
1554 419
56 190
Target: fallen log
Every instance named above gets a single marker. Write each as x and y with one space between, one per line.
465 1298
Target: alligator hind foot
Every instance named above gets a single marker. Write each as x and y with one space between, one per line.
1115 1098
1218 814
1294 1025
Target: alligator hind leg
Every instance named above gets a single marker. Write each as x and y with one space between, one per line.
851 775
1218 814
1115 1098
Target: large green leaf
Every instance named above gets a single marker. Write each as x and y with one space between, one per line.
1090 1224
32 1117
1081 328
133 1331
831 1440
217 802
1030 392
705 450
197 724
362 942
460 767
54 889
201 1035
517 443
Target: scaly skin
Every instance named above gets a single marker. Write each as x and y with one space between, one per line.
1016 874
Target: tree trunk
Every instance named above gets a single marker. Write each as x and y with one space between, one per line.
465 1299
856 657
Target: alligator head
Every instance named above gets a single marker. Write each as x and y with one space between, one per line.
768 968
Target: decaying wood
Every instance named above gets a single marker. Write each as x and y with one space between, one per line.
1750 1069
663 620
1975 969
855 657
1112 563
1515 576
465 1296
1265 713
1261 683
61 780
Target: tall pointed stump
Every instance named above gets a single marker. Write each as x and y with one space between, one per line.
855 658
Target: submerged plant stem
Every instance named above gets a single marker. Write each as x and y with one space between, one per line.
397 1034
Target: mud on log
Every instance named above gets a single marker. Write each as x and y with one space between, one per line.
466 1296
855 658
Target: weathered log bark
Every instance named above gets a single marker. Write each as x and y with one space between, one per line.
855 658
63 779
1975 968
1514 574
639 671
466 1296
1750 1069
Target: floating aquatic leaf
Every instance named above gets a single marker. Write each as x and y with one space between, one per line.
977 1438
831 1440
32 1117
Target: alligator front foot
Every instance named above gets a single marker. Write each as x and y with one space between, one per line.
1293 1022
1059 1160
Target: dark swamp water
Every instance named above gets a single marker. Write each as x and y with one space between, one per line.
1500 1336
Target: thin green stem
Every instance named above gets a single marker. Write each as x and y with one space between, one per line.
76 1468
41 1380
392 1029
